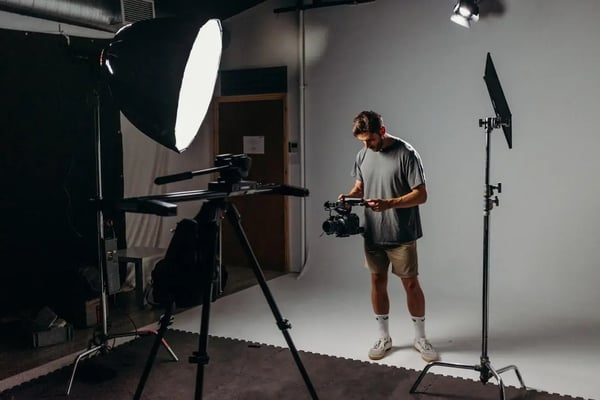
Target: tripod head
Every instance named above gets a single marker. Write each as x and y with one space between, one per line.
232 168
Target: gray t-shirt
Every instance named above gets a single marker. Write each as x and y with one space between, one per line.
392 172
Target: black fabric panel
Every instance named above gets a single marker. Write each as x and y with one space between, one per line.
47 165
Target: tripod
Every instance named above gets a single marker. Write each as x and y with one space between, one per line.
485 369
208 219
100 343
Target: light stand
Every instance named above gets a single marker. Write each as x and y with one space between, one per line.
99 344
206 234
161 72
486 371
502 120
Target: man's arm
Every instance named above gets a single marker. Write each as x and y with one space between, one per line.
415 197
356 191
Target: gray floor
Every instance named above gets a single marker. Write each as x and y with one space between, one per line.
333 317
19 361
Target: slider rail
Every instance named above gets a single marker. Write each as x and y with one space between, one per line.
161 204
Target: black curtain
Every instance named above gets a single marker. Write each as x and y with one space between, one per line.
49 89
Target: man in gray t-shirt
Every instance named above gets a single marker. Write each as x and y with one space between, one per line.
389 176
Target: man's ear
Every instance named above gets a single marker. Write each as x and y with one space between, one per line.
382 131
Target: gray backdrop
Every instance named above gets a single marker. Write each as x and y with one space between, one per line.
407 61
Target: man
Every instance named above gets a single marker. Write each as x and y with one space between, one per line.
389 176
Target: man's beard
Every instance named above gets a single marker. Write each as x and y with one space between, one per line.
378 147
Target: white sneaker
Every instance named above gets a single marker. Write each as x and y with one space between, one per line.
381 346
427 351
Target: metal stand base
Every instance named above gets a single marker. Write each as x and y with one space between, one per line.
103 255
485 369
104 348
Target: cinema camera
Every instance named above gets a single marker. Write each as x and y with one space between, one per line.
341 220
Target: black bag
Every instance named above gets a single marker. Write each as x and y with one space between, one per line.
189 263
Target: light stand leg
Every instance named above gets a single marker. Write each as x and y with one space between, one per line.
283 325
102 263
486 372
76 363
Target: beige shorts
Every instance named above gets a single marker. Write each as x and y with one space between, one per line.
403 259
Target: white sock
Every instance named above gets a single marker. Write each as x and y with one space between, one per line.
419 324
383 325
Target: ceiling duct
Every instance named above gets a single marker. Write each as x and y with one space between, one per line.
106 15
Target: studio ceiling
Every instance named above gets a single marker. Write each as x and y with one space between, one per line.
107 14
221 9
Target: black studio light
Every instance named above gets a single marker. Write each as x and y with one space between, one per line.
162 73
465 12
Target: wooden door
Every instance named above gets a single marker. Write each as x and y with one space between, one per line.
256 125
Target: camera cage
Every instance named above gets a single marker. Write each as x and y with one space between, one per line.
343 206
341 220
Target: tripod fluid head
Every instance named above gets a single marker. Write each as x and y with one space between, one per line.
232 168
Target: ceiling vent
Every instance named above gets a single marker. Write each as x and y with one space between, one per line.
137 10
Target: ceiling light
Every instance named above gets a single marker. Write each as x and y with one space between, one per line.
465 12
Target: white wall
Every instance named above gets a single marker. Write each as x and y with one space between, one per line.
407 61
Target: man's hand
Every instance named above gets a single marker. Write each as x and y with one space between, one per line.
356 191
378 205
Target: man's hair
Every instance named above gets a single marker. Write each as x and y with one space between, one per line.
367 122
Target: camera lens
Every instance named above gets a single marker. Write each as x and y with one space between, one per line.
329 226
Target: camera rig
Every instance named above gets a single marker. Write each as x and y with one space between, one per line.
342 221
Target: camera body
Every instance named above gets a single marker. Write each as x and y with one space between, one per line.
342 221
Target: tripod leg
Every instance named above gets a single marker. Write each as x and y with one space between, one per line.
165 321
163 341
207 243
201 356
282 324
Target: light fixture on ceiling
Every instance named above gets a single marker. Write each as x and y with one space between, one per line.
465 12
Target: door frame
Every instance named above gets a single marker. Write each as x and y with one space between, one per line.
215 150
